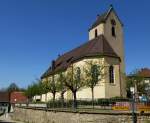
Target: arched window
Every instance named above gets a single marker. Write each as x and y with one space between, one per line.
113 30
111 74
113 22
96 34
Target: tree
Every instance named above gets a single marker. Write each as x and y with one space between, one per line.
93 74
36 88
61 85
30 91
13 87
45 86
52 87
134 79
74 81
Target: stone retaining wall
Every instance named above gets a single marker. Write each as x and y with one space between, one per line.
41 116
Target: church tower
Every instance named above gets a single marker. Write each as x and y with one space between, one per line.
109 25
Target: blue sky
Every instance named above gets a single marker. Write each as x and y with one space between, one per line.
33 32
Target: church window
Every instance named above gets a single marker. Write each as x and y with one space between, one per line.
113 22
113 30
96 33
111 74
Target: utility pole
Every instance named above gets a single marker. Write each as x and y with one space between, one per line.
134 117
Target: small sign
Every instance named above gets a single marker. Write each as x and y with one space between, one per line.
121 108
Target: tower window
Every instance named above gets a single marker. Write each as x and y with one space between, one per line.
113 22
96 33
111 74
113 31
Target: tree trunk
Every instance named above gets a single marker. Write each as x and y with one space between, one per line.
54 100
46 97
75 100
62 99
135 86
41 98
135 91
92 89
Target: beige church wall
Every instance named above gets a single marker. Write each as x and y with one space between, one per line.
102 90
117 44
85 93
49 97
65 95
43 99
112 89
100 30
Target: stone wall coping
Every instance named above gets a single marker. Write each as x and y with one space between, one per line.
85 112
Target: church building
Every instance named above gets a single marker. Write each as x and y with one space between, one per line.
106 46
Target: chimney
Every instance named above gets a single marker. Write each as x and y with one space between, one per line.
59 55
53 64
97 16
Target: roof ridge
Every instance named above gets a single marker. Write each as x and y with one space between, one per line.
103 17
94 47
85 43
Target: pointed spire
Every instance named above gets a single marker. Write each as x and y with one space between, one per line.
111 6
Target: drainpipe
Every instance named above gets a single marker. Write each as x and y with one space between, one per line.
120 81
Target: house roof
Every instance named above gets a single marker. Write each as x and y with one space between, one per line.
95 47
18 97
103 17
145 72
4 97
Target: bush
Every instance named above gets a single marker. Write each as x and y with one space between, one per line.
58 104
97 102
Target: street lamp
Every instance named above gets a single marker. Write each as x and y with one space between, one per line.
134 118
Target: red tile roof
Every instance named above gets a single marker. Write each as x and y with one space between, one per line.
18 97
4 97
145 72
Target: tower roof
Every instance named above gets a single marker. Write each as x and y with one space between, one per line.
95 47
103 17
